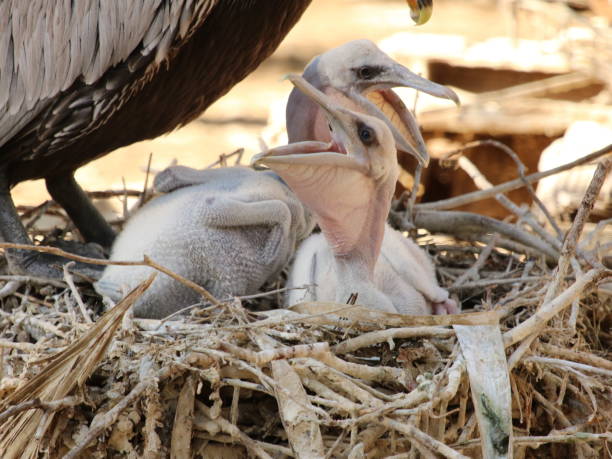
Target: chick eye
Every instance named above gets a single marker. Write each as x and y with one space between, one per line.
366 134
366 72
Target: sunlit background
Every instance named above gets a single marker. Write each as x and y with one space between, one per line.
525 70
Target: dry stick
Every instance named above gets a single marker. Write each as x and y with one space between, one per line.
37 212
96 261
75 293
569 363
36 403
568 250
9 288
382 336
225 156
25 347
481 182
569 438
471 224
34 280
488 282
225 426
576 356
414 192
548 310
102 421
143 195
296 413
105 194
431 443
472 272
508 186
379 374
263 357
182 427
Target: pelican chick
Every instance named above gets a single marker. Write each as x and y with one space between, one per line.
359 76
230 234
348 184
356 75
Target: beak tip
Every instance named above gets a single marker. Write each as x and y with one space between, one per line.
421 11
257 159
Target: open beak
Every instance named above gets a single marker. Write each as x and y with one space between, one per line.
336 180
404 126
314 153
420 10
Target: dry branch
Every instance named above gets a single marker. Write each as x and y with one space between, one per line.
475 196
314 380
429 442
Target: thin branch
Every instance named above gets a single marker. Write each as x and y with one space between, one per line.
97 261
508 186
430 442
36 403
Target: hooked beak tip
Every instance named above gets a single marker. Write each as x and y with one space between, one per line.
420 10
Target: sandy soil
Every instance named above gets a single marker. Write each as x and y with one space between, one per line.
237 120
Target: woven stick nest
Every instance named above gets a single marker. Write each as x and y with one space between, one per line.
526 371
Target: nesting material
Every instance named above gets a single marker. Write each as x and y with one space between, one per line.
237 378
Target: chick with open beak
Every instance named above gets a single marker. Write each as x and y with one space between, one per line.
348 184
360 77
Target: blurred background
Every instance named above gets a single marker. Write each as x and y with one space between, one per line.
525 70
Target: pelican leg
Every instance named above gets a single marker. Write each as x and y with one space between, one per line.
22 261
67 193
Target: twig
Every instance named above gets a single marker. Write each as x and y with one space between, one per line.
297 415
472 272
430 442
382 336
9 288
481 182
113 193
75 293
182 427
229 428
583 357
104 420
34 280
548 310
569 246
96 261
143 195
380 374
415 191
508 186
569 438
461 224
568 363
26 347
223 157
36 403
489 282
263 357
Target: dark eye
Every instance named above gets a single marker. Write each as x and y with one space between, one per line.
366 72
366 134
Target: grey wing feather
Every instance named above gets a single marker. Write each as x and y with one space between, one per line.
48 45
175 177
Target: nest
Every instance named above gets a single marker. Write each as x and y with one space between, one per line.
526 371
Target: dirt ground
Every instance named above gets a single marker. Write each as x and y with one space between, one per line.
237 120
